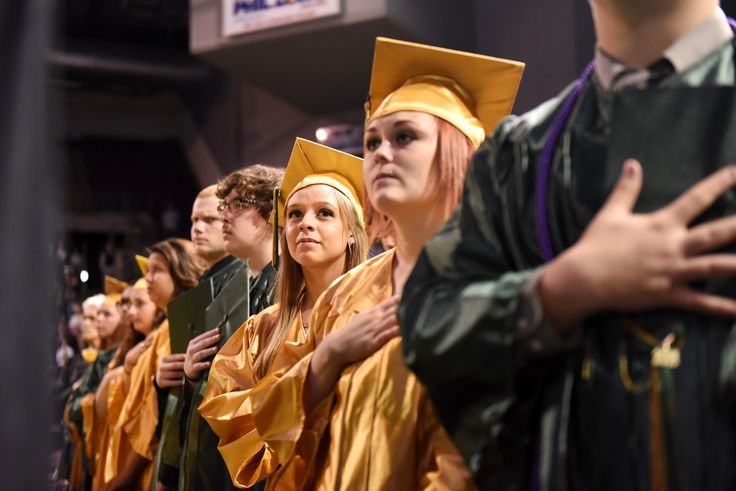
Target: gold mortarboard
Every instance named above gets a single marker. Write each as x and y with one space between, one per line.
142 262
141 284
470 91
113 289
311 163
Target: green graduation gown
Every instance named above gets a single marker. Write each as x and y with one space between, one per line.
557 420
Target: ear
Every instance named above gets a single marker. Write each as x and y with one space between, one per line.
351 240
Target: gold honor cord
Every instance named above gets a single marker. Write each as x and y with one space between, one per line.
665 357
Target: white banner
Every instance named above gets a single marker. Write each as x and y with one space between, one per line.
243 16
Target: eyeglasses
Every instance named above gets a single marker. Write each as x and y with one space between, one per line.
238 203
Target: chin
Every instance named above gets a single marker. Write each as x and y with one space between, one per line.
386 203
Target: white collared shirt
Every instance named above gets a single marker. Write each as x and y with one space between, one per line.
702 39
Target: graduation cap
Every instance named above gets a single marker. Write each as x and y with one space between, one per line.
470 91
311 163
142 262
113 289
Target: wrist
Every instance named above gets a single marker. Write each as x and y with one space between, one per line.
566 293
327 359
193 377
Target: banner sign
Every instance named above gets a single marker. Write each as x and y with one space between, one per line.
244 16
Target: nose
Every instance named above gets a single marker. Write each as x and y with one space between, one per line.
383 152
307 222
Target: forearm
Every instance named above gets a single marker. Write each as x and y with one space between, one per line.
323 373
567 293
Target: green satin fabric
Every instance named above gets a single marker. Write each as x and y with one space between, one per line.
515 415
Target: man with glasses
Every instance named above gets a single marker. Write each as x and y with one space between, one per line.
245 203
206 235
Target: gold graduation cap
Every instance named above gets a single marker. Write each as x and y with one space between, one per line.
470 91
311 163
142 262
113 289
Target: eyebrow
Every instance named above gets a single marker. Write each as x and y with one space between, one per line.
400 122
318 203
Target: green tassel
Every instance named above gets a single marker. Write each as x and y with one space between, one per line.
276 259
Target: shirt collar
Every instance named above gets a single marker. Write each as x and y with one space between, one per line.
683 53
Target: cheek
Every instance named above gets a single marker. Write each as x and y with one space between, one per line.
290 233
337 236
241 225
367 167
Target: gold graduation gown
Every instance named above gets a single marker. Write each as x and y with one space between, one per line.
377 430
109 456
134 427
96 430
231 380
114 383
140 412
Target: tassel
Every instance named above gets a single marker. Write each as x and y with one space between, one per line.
657 458
275 259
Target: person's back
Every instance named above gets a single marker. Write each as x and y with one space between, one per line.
602 369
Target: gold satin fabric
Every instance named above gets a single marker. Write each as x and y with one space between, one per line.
113 381
91 433
377 430
115 446
139 415
231 382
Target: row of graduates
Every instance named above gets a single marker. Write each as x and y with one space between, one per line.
311 392
572 327
117 410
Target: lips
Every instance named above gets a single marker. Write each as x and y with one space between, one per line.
306 240
384 175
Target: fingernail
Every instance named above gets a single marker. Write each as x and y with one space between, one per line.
629 169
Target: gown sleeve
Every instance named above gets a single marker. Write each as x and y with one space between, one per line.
253 445
141 411
462 302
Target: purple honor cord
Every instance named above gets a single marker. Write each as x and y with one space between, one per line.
545 162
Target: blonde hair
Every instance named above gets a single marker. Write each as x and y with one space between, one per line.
290 289
209 191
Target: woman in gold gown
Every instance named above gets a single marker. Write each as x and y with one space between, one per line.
349 415
323 237
172 268
109 399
